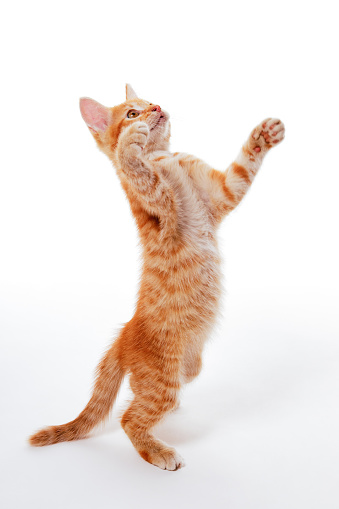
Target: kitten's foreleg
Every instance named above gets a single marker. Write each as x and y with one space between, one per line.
148 186
240 174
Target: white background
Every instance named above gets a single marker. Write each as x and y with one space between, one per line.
259 428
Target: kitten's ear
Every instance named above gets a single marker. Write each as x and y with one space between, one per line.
96 116
130 94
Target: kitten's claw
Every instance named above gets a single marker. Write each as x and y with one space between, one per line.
270 131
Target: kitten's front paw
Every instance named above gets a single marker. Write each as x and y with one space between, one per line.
270 132
135 136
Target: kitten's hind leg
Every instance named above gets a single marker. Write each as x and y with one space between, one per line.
153 399
192 360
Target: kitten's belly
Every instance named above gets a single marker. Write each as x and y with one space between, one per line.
202 285
182 287
182 296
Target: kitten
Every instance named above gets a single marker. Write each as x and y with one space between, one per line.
178 202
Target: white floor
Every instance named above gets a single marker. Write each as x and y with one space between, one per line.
258 429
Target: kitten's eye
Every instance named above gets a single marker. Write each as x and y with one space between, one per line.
133 114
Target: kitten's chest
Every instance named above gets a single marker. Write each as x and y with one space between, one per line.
195 221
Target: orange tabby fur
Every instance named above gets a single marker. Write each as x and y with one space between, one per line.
178 202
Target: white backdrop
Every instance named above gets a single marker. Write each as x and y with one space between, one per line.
259 428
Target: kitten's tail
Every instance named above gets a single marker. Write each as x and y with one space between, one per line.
108 380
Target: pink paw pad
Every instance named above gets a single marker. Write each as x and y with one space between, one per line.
273 130
270 132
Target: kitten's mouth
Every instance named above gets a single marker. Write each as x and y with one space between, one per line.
161 119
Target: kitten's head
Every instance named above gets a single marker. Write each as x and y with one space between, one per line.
107 124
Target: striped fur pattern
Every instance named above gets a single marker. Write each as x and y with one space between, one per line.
178 201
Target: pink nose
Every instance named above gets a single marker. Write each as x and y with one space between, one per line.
156 108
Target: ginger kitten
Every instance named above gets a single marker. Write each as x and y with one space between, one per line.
178 202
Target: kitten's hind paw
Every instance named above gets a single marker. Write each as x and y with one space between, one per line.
166 459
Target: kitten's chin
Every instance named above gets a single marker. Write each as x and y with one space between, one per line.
161 121
159 135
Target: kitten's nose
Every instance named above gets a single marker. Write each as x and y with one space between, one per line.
156 108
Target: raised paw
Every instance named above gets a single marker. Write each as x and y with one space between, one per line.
270 132
166 459
136 134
